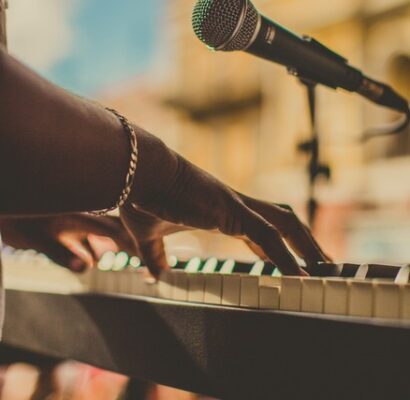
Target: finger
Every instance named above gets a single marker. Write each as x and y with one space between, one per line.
81 249
264 235
62 256
291 228
153 256
111 227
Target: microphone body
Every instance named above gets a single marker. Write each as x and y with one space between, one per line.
304 57
229 25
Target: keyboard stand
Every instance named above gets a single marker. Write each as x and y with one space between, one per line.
218 351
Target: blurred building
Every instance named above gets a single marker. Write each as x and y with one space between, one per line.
242 119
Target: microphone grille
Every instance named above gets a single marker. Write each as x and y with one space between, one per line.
225 24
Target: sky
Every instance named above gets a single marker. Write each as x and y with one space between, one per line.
85 45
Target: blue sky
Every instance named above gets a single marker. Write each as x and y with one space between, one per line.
113 41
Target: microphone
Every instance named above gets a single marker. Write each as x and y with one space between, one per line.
230 25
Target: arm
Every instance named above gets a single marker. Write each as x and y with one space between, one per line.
58 152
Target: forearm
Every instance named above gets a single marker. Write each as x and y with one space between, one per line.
58 152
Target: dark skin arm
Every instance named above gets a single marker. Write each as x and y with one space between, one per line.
60 153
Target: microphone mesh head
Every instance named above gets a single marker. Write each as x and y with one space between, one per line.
216 23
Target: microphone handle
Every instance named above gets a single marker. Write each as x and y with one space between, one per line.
308 59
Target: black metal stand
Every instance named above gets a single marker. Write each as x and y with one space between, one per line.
311 147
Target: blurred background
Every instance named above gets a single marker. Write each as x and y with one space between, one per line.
241 118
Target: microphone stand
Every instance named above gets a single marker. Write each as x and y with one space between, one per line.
315 168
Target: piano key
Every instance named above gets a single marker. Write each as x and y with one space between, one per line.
180 286
271 281
210 265
196 287
242 267
227 267
362 271
137 282
257 268
165 283
213 288
269 297
151 286
120 261
291 291
107 261
336 294
405 302
87 278
386 300
135 262
312 295
360 302
231 290
172 261
249 291
402 278
193 265
124 282
346 270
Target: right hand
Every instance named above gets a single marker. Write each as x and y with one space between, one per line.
171 194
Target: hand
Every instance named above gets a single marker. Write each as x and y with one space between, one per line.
170 194
75 241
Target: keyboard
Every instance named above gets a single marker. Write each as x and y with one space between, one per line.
220 327
366 290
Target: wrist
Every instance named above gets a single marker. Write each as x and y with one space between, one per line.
156 169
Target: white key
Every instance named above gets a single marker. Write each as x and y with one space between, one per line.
109 281
269 297
336 296
196 287
137 282
180 286
360 302
249 291
213 289
270 281
386 300
88 278
124 283
231 290
291 293
151 286
405 302
312 295
165 283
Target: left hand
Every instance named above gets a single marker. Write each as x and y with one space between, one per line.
74 241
